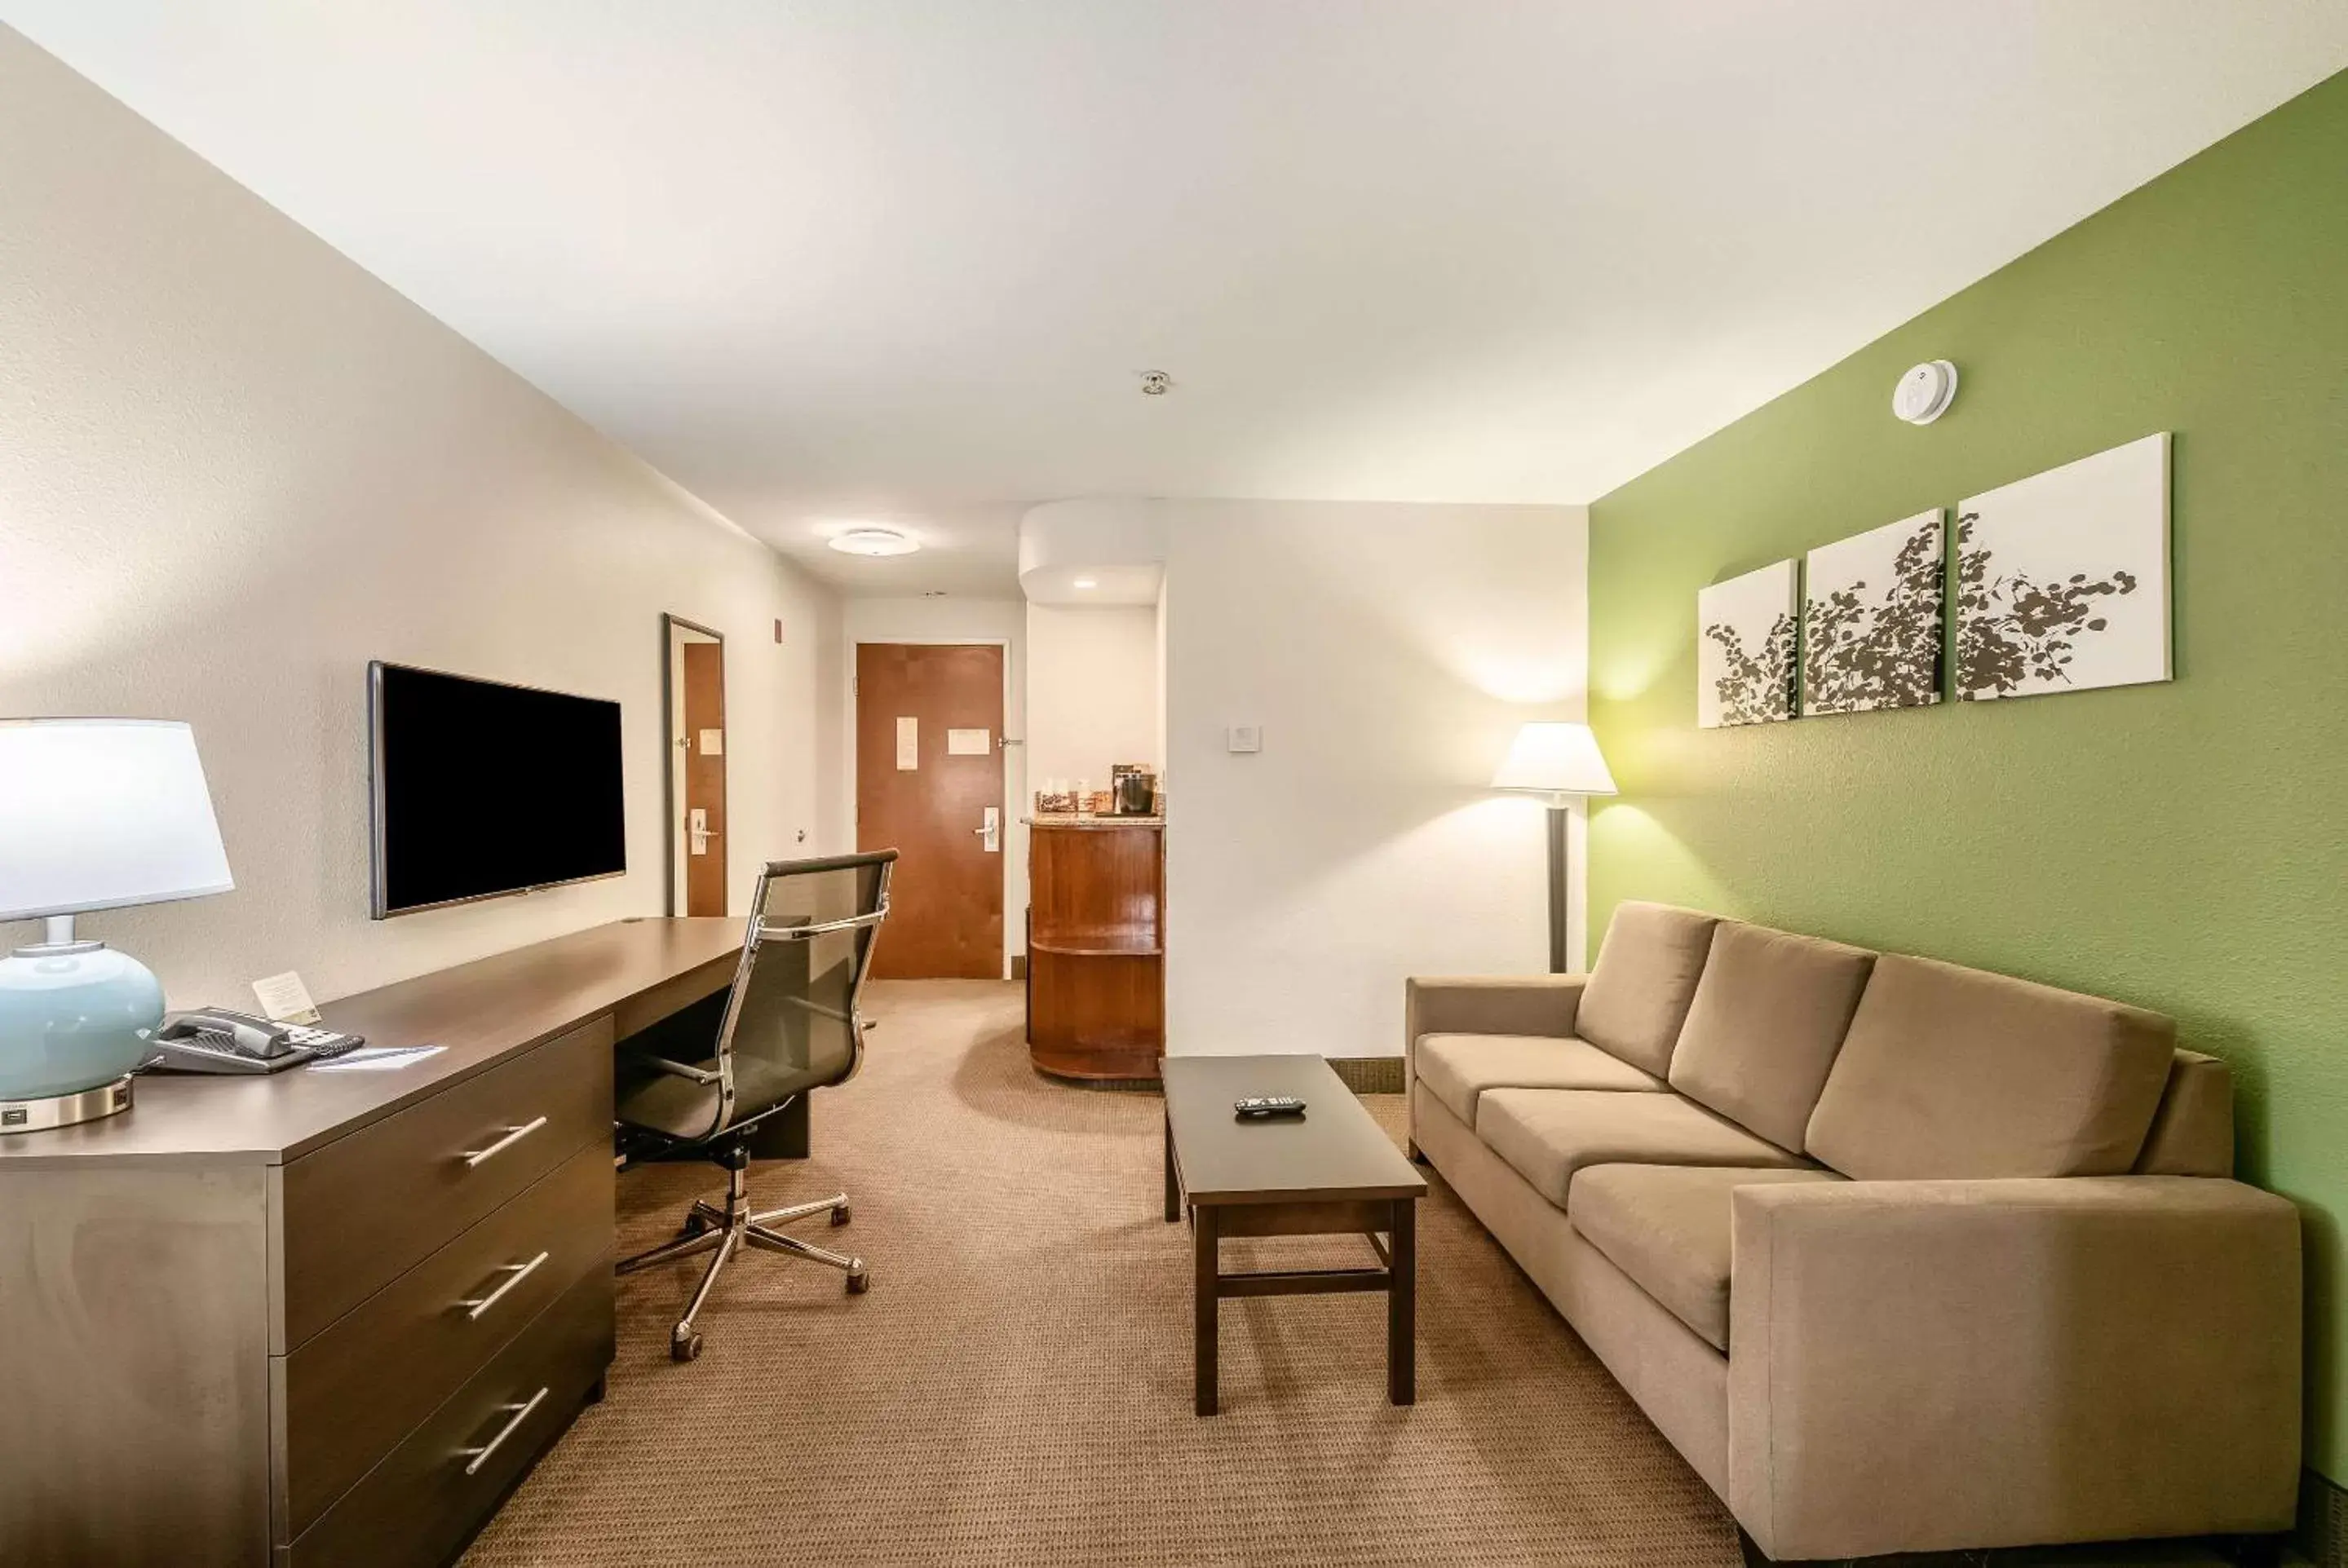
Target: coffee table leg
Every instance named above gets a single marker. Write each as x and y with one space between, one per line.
1206 1225
1402 1305
1173 1194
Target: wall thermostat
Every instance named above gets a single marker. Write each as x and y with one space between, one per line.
1243 737
1925 392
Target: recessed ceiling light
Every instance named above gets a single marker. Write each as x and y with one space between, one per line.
873 542
1086 582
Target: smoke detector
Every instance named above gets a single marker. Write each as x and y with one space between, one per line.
1155 383
1925 392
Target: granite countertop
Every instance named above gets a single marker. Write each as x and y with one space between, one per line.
1071 819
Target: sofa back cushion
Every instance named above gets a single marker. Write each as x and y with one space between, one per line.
1769 1016
1645 978
2193 1132
1952 1073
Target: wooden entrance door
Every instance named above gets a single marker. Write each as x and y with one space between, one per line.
705 778
928 770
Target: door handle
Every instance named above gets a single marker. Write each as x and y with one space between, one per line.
992 831
696 828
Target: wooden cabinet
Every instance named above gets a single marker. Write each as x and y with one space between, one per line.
1096 946
329 1317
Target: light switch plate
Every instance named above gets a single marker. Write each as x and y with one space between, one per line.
1245 738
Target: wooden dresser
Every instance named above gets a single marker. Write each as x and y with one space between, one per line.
326 1319
1096 946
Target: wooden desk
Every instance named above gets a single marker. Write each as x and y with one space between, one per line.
329 1317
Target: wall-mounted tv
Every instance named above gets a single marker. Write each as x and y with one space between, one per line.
482 789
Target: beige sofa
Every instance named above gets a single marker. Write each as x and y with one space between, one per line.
1901 1256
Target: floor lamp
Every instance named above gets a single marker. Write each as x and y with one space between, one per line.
1558 761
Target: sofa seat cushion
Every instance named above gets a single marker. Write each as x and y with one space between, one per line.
1666 1226
1548 1134
1456 1068
1644 978
1956 1074
1769 1016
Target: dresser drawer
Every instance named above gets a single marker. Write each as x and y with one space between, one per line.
366 1207
356 1389
414 1509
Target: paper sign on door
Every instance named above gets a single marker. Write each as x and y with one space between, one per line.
969 743
712 742
909 744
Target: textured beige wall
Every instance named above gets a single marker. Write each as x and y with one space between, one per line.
234 468
1092 691
1388 652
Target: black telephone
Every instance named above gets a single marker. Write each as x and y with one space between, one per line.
215 1040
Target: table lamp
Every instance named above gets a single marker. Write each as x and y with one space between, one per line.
1556 761
95 814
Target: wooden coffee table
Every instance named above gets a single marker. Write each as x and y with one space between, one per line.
1333 1172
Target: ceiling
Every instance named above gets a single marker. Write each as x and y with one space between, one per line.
834 260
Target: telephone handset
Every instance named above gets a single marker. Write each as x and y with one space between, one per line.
216 1039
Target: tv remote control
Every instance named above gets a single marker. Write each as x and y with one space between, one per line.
1260 1106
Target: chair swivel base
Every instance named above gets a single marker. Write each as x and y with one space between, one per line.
725 1231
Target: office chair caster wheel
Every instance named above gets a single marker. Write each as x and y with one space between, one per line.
839 1215
684 1344
858 1284
693 1225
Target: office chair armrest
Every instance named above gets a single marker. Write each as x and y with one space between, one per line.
700 1075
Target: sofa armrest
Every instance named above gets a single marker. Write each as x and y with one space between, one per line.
1498 1004
1937 1365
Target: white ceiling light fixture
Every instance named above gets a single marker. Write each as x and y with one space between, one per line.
868 541
1087 582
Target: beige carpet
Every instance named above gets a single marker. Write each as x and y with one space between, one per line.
1016 1386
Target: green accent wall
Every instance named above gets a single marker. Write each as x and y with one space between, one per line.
2183 846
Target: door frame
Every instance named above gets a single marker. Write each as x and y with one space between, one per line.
1014 810
672 760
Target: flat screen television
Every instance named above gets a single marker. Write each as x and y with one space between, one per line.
482 789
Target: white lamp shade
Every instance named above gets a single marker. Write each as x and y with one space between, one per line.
97 814
1555 759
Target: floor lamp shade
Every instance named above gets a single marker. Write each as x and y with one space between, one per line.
95 814
1555 759
1558 761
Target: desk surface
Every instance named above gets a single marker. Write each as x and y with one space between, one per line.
483 1013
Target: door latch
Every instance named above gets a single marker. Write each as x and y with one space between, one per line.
993 830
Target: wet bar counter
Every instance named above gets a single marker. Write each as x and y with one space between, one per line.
1096 946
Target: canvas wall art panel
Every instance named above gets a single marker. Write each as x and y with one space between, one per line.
1745 649
1871 618
2062 577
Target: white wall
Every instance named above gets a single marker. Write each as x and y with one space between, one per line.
946 619
1092 691
1388 652
234 468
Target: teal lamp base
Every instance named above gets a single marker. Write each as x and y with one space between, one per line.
76 1018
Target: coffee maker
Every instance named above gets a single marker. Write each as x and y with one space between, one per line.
1133 790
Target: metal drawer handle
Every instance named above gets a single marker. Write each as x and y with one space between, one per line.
475 1457
515 1274
514 1135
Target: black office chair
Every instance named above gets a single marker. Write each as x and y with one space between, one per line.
790 1025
